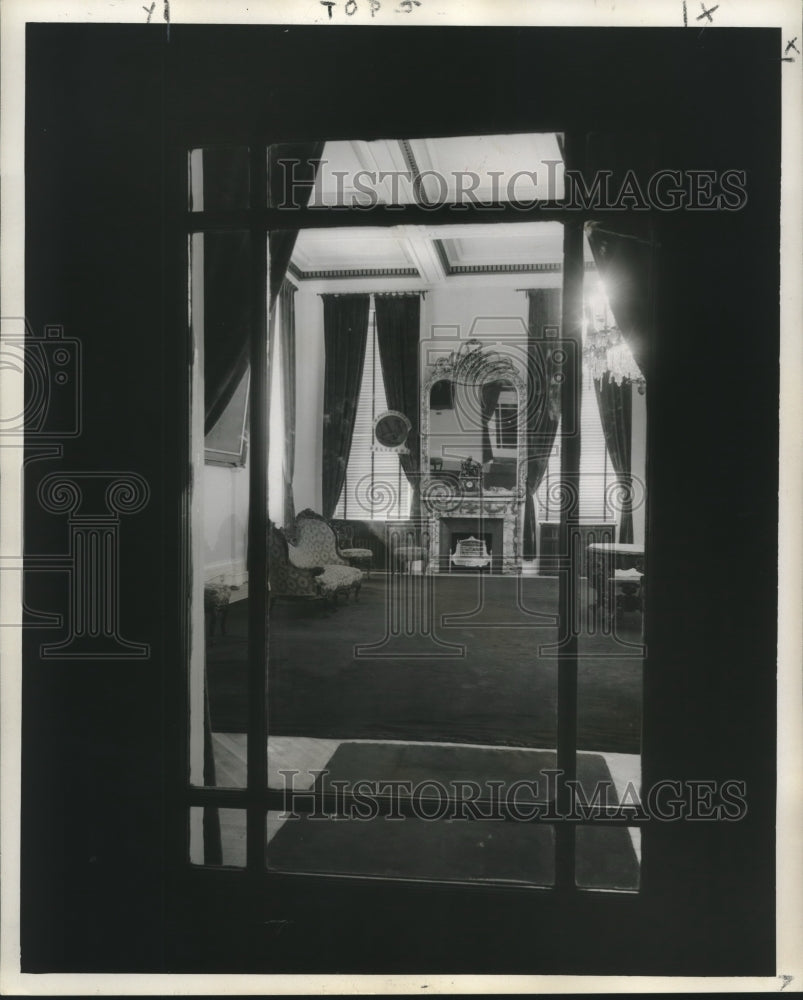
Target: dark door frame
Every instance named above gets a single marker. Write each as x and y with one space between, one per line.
709 698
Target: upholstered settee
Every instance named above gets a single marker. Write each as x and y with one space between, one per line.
286 580
312 545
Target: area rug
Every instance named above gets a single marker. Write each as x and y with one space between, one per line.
452 848
489 768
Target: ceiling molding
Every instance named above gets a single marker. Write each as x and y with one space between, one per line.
548 267
361 272
440 249
523 268
419 248
506 269
419 194
384 160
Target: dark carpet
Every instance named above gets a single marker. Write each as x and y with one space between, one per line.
453 849
501 691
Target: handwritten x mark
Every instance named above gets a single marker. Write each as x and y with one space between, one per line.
707 13
791 45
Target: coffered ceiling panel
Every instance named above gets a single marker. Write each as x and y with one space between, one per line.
490 168
527 243
467 169
435 254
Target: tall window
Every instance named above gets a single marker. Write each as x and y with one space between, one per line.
375 488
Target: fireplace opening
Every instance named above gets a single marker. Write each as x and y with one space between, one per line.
456 529
466 536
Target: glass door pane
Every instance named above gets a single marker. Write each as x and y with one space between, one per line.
412 636
220 321
610 608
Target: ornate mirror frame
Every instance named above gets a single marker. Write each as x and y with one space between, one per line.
480 363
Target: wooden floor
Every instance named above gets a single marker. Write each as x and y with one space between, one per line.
305 756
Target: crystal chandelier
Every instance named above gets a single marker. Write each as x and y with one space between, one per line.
606 350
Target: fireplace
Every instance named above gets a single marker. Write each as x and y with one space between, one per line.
487 529
494 517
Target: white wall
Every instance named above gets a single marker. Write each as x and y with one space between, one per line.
469 312
481 312
225 507
475 311
310 360
486 312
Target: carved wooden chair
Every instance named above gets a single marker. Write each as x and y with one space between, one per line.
361 558
407 545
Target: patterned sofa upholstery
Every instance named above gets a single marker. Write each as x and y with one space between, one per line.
285 579
314 545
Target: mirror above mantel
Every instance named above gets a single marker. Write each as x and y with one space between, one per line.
474 410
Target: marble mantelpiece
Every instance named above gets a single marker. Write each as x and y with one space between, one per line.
489 505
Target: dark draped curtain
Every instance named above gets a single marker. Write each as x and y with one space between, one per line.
227 290
398 332
345 331
226 317
615 409
287 329
489 399
227 324
543 402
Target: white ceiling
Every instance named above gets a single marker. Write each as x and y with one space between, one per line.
319 250
526 243
429 256
485 168
412 252
504 166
